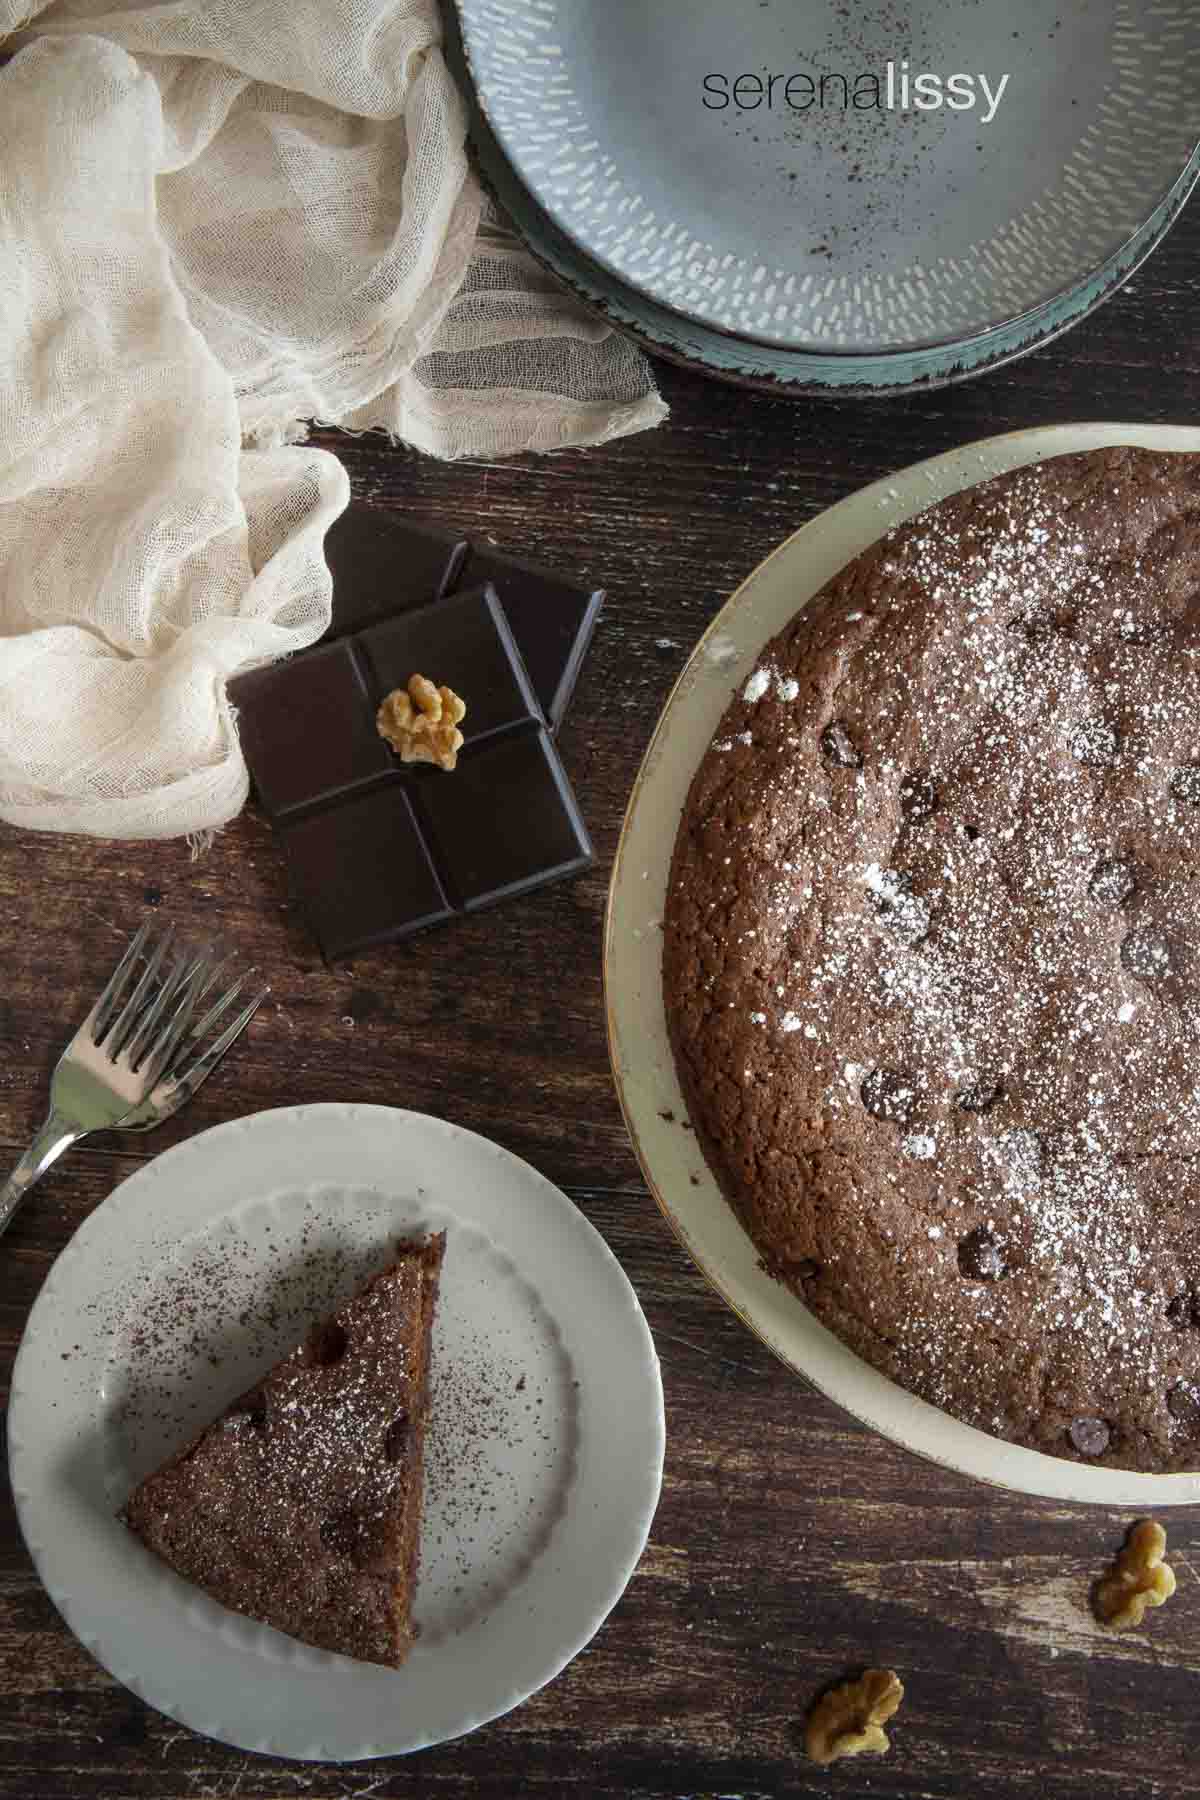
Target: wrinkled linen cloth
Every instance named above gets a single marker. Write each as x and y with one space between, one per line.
218 221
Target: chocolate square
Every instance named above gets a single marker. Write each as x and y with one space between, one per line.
363 872
463 643
382 565
505 821
552 620
308 729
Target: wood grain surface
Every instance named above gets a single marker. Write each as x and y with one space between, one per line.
790 1545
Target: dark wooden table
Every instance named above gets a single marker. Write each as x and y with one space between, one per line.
790 1544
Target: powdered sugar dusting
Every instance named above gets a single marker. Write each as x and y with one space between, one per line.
721 651
997 904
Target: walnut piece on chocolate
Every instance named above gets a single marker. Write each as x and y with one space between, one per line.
1139 1578
421 722
849 1719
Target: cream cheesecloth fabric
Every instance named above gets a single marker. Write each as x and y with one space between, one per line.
218 221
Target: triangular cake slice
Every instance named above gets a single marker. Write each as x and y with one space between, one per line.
301 1504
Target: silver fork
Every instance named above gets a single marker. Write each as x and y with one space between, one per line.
137 1057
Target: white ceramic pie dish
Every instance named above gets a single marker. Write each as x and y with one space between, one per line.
643 1066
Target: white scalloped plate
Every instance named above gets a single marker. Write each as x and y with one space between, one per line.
545 1447
643 1066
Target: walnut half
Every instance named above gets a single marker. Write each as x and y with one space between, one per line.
1139 1578
849 1719
421 722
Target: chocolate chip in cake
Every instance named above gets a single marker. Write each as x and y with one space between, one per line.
1185 784
1089 1436
340 1532
838 747
1113 882
328 1344
918 796
806 1269
1095 744
901 911
1184 1310
978 1096
980 1257
888 1096
1022 1156
1034 624
1183 1404
250 1410
1146 954
395 1438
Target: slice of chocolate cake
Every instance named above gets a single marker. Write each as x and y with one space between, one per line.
301 1504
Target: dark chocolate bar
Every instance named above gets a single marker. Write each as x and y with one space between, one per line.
378 849
383 565
551 620
308 726
505 821
363 872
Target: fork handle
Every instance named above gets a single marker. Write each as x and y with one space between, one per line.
56 1135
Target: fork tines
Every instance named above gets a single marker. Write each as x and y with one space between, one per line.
146 1016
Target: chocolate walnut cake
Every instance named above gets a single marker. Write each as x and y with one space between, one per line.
932 956
301 1504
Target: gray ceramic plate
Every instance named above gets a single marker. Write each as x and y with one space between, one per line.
644 1069
845 230
771 368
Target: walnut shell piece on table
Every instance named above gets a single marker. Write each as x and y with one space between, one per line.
1139 1578
848 1720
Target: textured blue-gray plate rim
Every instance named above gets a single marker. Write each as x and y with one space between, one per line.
777 367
